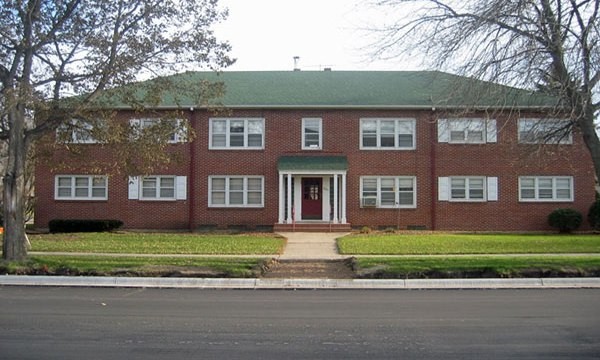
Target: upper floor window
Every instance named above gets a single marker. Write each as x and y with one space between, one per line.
158 187
312 133
388 192
384 133
76 131
237 133
545 131
467 130
81 187
546 188
468 188
175 129
236 191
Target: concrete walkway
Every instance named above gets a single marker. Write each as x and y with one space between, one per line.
311 246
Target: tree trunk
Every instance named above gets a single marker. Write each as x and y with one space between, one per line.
14 246
592 142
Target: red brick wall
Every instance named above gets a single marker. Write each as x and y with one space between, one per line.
505 159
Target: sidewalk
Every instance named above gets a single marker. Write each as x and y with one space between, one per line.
311 246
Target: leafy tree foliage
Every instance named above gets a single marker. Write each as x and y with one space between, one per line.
57 57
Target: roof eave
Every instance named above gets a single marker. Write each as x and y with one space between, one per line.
348 107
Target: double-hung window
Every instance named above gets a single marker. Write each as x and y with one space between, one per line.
467 130
387 133
76 131
388 192
175 130
81 187
468 188
545 131
545 188
237 133
236 191
312 133
158 187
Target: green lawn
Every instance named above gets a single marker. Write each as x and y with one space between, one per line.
160 243
440 243
140 266
426 267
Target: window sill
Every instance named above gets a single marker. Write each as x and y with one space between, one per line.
236 206
80 199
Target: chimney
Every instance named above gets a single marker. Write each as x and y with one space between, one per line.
296 61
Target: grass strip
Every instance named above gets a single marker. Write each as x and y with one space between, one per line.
136 266
159 243
500 266
441 244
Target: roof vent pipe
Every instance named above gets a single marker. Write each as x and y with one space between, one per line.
296 61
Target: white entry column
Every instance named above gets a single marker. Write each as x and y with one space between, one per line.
289 198
335 199
343 202
281 216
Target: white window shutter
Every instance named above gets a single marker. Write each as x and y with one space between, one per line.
443 189
442 128
491 131
492 189
181 188
134 188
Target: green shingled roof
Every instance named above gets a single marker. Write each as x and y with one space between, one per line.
345 89
312 163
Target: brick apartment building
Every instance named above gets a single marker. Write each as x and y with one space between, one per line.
334 150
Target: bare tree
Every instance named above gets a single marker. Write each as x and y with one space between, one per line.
552 46
57 58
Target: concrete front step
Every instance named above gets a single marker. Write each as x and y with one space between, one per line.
309 269
312 227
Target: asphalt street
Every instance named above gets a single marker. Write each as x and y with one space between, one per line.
123 323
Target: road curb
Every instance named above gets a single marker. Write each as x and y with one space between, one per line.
256 284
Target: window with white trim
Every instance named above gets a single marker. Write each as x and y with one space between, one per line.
158 187
236 133
387 134
467 130
176 128
236 191
545 188
76 131
545 131
312 133
468 188
388 192
81 187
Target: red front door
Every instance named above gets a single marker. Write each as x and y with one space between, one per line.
312 204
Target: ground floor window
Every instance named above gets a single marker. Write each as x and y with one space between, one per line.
546 188
236 191
388 192
468 188
158 188
81 187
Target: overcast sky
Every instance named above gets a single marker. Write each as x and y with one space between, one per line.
267 34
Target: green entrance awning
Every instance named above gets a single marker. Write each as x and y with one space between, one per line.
312 163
